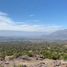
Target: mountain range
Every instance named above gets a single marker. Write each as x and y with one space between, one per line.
15 35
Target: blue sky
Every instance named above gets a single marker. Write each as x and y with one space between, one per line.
33 15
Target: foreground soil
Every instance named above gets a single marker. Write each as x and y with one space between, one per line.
32 62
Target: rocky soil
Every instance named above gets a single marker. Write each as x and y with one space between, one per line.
26 61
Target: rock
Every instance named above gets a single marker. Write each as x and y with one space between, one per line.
57 63
39 57
7 62
64 64
24 65
42 64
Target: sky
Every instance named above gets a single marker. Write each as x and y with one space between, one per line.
33 15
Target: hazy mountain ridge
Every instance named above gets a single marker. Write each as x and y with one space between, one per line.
16 35
58 35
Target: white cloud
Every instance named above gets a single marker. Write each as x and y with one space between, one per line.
3 14
6 23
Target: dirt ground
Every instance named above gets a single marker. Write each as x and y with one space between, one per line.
32 62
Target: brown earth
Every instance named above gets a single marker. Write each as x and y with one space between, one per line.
32 62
